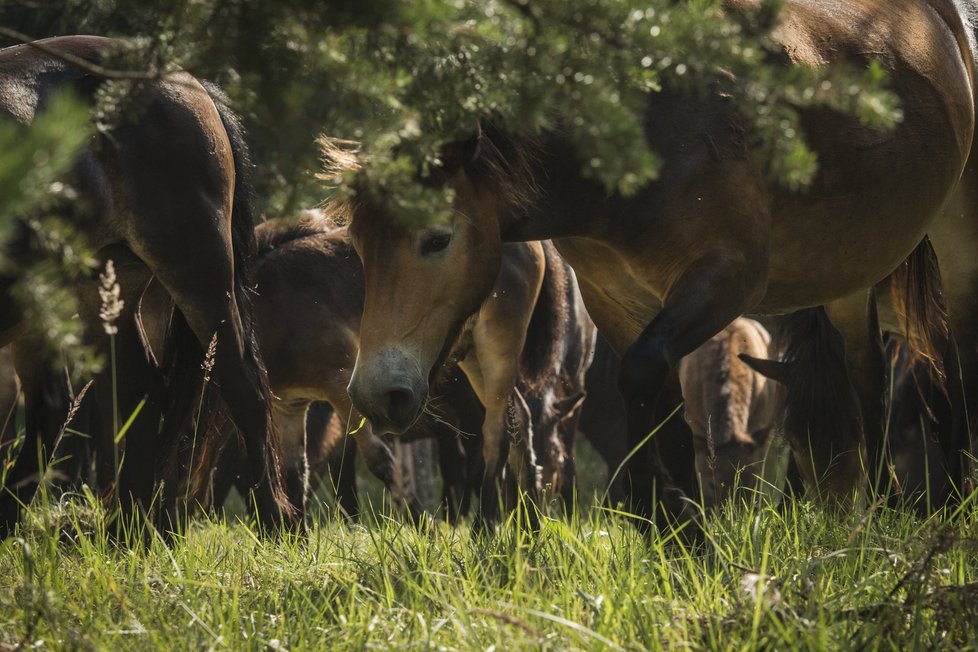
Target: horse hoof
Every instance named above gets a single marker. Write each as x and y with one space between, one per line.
678 515
483 528
416 512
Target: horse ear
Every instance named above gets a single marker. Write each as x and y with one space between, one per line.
456 155
773 369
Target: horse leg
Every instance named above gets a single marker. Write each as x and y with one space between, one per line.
700 304
567 431
202 287
322 434
521 460
957 438
332 455
382 463
405 488
452 463
290 419
226 473
855 318
494 445
343 476
46 402
494 385
138 381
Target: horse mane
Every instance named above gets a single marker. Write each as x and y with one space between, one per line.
504 165
340 158
820 402
546 331
276 233
496 162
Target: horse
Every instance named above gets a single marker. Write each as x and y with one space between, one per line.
718 388
310 269
555 405
164 195
913 384
732 410
666 268
913 461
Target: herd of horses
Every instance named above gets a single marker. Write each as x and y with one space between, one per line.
268 357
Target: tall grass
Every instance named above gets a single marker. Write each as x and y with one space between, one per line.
787 577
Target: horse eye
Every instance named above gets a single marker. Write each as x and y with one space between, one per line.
435 242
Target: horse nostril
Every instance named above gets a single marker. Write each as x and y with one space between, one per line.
399 404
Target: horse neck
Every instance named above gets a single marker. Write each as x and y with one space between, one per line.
567 203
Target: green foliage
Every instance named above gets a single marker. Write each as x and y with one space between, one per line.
410 76
32 196
589 68
34 158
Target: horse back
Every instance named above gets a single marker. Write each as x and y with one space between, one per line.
926 40
29 75
725 397
167 145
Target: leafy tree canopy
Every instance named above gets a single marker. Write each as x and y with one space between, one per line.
409 76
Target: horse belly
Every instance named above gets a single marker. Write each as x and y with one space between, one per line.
862 218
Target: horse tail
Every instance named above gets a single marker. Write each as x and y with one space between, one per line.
820 401
544 334
244 249
918 299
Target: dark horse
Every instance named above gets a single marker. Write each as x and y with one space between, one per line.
712 238
604 425
164 194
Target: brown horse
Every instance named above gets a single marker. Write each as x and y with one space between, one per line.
927 312
732 410
311 270
667 268
163 195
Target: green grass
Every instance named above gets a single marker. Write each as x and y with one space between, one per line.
876 578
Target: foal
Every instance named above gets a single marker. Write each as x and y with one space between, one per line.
732 409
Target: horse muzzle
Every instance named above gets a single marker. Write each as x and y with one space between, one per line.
389 390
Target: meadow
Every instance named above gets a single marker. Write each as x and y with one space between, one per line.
767 576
